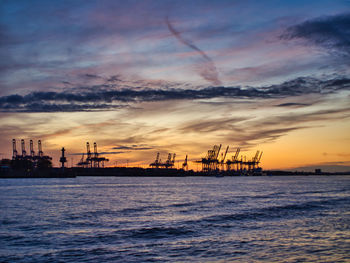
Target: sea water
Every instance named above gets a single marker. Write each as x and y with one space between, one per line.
191 219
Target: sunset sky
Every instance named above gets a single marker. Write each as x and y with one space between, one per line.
141 77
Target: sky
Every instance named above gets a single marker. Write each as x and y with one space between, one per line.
141 77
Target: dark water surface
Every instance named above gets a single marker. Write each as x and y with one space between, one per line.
230 219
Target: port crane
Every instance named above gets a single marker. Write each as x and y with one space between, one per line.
185 164
156 163
169 163
93 160
210 162
234 161
30 161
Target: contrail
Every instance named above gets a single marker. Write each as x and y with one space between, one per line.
208 71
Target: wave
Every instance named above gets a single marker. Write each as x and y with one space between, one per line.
321 191
160 232
188 204
285 211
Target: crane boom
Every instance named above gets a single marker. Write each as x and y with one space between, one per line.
224 157
236 154
217 153
256 156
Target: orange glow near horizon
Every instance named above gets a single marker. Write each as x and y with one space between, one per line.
321 143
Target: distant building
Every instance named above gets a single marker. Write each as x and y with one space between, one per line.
318 171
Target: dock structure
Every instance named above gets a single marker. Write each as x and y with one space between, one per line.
215 162
233 165
169 163
210 162
92 160
29 161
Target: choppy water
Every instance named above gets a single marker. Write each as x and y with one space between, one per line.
230 219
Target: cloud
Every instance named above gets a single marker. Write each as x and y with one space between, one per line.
343 154
250 130
212 125
270 128
133 147
292 104
100 153
253 136
331 32
302 117
92 76
207 69
57 107
114 78
105 97
111 153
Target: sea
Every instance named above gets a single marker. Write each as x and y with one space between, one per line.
176 219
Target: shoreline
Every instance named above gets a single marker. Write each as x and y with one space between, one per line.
150 172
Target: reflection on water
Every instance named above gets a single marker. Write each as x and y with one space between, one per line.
242 219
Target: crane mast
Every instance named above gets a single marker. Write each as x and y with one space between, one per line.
32 153
40 149
185 165
24 153
14 150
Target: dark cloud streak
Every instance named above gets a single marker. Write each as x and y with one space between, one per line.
292 104
332 32
106 98
132 147
104 153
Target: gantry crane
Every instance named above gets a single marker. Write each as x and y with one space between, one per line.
169 163
185 164
156 163
233 163
30 161
92 160
210 162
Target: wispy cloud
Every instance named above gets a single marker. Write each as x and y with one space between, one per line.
250 130
204 126
207 70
